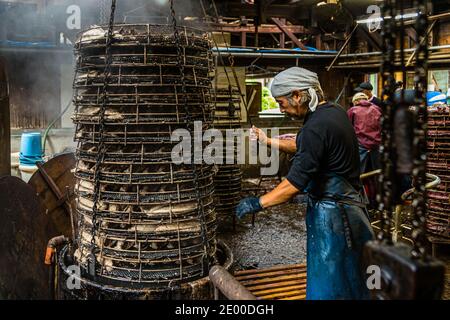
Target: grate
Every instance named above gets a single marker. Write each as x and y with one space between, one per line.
438 141
285 282
228 180
149 230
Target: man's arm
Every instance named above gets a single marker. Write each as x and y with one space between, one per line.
281 194
288 146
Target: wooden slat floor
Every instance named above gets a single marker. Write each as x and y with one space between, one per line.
285 282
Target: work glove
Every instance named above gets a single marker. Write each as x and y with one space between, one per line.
248 205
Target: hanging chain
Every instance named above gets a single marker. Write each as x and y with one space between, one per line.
101 146
189 125
385 197
420 132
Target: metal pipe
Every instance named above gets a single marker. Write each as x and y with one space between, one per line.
369 174
51 247
276 55
290 55
342 48
228 285
435 181
52 244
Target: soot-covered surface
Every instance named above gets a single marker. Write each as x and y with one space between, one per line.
278 236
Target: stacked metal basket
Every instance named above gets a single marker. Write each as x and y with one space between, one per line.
228 180
438 219
153 226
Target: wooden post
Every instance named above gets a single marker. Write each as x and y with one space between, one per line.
5 125
282 36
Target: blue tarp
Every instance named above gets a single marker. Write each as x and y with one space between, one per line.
287 51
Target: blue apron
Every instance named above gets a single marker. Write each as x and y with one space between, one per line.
337 229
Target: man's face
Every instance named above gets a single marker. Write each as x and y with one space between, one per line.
295 106
367 92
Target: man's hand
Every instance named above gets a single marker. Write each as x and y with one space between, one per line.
262 137
248 205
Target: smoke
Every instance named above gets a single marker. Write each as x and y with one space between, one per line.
40 67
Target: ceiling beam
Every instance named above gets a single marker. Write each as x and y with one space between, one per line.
372 37
291 12
287 32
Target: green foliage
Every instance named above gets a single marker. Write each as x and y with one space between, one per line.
268 102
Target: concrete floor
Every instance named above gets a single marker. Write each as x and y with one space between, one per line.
278 236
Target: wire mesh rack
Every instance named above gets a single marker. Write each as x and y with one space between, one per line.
153 226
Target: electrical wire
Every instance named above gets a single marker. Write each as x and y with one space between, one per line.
44 138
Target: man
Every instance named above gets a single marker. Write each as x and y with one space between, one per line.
367 88
365 118
326 166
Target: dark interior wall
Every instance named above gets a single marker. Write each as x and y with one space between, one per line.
35 89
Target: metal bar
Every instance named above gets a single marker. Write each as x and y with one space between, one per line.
269 274
370 174
277 285
279 290
228 285
55 189
299 297
347 41
276 268
284 294
287 32
274 279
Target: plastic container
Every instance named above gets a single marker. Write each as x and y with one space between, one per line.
30 148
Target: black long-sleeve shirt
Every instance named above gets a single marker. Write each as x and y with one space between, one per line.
326 144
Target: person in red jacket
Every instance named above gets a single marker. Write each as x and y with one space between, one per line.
365 118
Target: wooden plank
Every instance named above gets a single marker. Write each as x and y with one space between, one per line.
276 290
276 285
270 274
276 268
283 294
261 29
274 279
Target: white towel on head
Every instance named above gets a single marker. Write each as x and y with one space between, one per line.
296 78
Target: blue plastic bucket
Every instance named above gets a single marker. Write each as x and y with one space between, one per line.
30 148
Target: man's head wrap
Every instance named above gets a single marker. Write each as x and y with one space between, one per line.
296 78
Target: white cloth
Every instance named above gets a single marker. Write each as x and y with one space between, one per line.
296 78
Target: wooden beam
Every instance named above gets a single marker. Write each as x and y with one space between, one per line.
287 32
282 36
244 39
292 12
265 28
411 32
373 38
